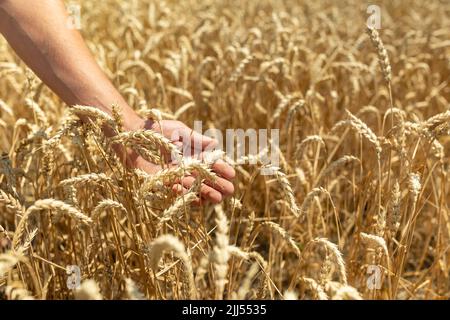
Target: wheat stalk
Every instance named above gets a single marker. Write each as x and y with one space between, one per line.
335 165
170 243
284 235
221 252
362 129
247 282
309 139
104 205
336 254
95 114
60 207
383 57
176 208
310 197
147 138
316 288
86 179
394 221
414 186
288 191
11 203
374 241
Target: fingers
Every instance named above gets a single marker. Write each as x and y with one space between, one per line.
224 170
206 192
179 189
219 166
222 185
192 143
225 187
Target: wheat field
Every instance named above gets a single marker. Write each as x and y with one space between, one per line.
359 207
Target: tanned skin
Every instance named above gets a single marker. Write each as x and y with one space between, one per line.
39 34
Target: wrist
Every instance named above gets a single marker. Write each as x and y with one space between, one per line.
131 120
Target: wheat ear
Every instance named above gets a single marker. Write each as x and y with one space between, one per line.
337 256
170 243
383 57
221 252
182 202
316 288
85 179
105 205
88 290
283 234
132 290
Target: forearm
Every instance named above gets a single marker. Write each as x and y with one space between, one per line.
39 34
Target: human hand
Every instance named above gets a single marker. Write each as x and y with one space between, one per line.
192 144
